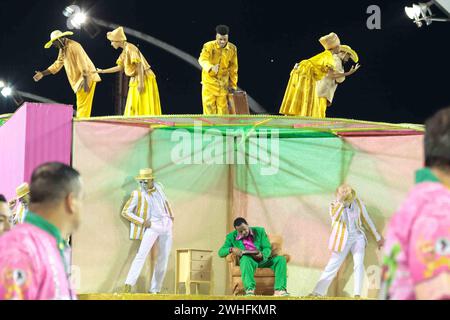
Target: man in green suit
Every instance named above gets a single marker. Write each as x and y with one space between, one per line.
253 248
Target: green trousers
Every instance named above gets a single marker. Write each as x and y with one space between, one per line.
248 268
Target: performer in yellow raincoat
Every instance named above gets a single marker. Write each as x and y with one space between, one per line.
300 98
143 94
219 62
326 87
79 69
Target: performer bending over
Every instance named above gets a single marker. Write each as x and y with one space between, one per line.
143 94
328 85
220 72
151 218
348 216
300 98
79 69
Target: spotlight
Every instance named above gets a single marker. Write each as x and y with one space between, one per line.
413 12
75 17
6 92
70 10
78 19
421 12
2 84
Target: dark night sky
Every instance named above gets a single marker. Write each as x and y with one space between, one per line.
403 78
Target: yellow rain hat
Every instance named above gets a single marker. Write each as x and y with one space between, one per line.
351 52
330 41
55 35
116 35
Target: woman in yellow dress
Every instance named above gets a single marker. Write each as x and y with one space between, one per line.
300 98
143 95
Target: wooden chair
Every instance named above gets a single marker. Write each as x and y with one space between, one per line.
264 277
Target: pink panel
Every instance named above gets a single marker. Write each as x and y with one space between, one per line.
12 153
35 134
48 136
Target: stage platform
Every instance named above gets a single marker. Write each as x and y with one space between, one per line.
275 171
138 296
338 126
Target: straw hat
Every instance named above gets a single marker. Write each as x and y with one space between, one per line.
145 174
351 52
55 35
330 41
22 190
116 35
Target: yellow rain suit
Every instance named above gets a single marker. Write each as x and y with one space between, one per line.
147 102
77 63
216 86
300 98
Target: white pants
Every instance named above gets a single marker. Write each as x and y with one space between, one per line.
356 245
163 232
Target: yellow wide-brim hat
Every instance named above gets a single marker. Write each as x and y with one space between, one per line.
351 52
330 41
22 190
116 35
55 35
145 174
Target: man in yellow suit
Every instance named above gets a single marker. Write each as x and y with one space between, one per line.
300 98
218 60
79 69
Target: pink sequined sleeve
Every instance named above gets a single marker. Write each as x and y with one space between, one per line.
16 275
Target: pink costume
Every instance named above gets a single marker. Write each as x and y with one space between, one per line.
417 250
33 262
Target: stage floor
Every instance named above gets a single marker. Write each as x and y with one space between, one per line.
139 296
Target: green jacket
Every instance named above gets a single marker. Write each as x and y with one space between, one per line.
260 239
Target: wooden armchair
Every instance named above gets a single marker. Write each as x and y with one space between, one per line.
264 277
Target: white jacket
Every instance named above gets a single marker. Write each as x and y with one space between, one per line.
138 209
339 229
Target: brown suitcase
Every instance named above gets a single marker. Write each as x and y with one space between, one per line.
238 103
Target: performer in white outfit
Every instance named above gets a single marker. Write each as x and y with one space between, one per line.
326 87
349 219
20 203
151 218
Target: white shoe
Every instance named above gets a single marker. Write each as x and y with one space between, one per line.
314 294
281 293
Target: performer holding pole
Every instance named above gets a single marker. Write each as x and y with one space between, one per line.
143 94
150 218
79 69
219 62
